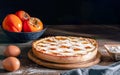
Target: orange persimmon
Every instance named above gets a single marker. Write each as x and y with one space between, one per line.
12 23
32 25
23 15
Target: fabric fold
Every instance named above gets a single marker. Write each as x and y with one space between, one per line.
113 69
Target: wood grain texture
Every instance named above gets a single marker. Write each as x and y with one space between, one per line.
104 34
64 66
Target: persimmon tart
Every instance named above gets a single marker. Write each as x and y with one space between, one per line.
65 49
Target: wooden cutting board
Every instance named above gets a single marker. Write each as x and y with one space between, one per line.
44 63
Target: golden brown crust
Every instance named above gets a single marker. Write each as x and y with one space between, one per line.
72 58
64 59
64 66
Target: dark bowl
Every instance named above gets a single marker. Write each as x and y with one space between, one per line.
24 36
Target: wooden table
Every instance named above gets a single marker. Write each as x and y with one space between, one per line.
104 34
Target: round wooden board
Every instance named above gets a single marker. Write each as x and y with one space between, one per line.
32 57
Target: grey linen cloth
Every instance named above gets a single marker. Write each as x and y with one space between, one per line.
113 69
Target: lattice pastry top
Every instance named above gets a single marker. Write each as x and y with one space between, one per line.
65 45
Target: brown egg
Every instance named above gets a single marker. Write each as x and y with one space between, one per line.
11 64
12 50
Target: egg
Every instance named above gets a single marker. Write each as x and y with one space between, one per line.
11 64
12 50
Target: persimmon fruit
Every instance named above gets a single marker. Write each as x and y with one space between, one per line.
12 23
21 21
23 15
32 25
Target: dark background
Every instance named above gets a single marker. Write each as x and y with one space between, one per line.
79 12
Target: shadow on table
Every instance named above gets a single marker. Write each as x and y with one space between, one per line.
3 71
94 31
